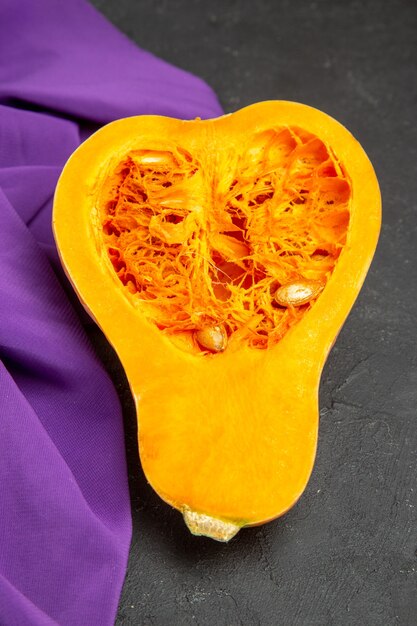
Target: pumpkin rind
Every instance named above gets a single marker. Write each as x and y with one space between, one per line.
230 435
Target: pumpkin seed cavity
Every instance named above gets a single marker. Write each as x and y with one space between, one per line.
240 247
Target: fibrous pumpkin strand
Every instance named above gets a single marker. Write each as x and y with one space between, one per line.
245 249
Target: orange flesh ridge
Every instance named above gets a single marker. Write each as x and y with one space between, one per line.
207 238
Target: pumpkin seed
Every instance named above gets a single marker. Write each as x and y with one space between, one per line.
155 158
298 292
212 338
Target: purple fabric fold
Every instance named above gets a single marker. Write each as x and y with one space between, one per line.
64 503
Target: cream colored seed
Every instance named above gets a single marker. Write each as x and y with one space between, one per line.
298 293
212 338
151 157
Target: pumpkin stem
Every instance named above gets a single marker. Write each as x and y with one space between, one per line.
200 524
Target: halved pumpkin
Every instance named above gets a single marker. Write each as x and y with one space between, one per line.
221 258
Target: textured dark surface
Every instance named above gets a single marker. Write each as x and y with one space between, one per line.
346 554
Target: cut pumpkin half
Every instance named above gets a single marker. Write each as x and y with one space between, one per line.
221 258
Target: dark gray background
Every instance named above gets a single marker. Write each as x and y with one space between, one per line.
346 554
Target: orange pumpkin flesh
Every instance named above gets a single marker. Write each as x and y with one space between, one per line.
253 231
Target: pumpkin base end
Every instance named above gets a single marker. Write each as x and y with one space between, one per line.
203 525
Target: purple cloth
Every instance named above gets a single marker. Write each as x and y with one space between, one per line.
64 503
